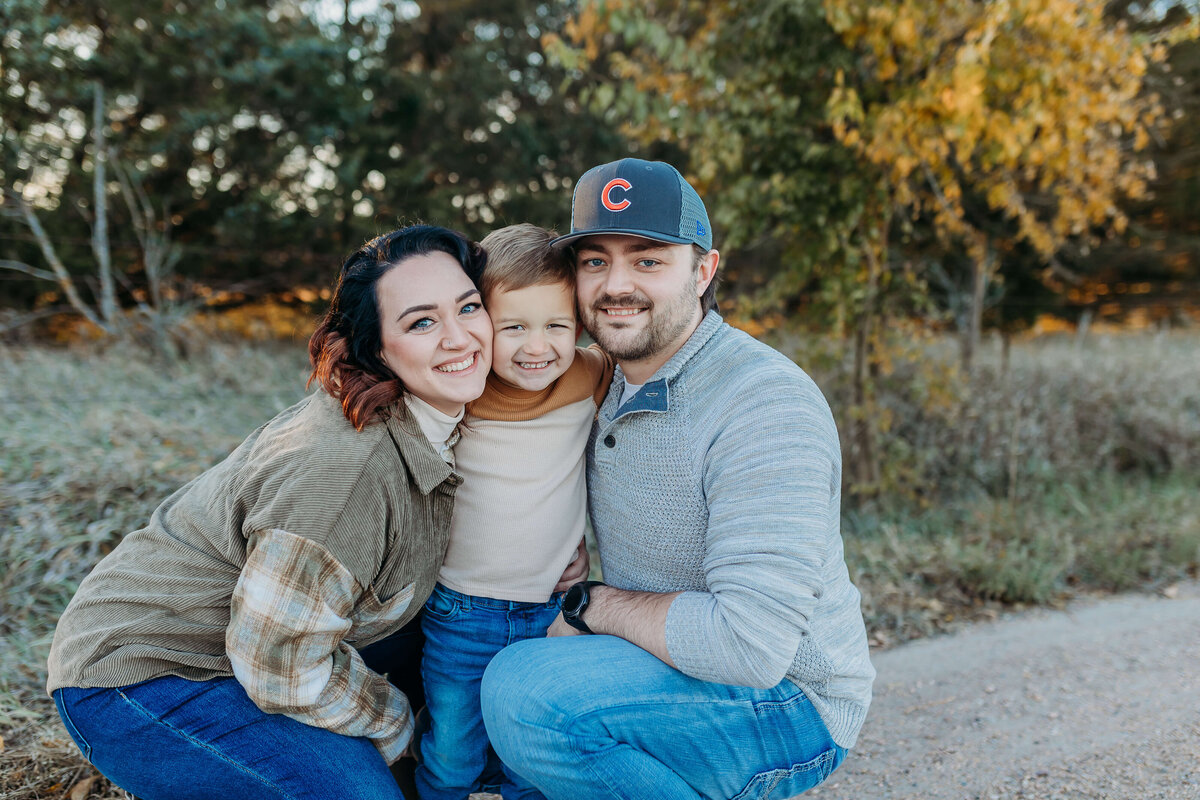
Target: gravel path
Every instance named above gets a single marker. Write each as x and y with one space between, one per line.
1101 700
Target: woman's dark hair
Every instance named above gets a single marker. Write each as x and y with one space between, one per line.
346 348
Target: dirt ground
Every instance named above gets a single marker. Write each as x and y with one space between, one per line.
1101 700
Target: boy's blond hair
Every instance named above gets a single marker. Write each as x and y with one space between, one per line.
520 256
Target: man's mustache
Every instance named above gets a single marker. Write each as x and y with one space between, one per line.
625 301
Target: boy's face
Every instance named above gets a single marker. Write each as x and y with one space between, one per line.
536 331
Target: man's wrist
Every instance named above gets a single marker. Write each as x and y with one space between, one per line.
576 602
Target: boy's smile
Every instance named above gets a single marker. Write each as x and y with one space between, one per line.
535 337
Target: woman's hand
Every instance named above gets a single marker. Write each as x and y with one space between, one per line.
577 570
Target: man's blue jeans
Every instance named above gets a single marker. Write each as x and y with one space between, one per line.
462 634
175 739
598 717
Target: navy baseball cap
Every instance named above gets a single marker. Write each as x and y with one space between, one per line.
638 198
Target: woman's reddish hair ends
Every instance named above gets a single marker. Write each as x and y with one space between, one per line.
345 350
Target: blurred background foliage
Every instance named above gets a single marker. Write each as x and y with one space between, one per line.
987 162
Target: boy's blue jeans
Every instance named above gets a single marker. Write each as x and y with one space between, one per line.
598 717
462 633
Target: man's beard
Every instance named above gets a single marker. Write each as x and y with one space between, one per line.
660 332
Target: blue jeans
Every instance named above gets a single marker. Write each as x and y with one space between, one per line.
598 717
175 739
462 634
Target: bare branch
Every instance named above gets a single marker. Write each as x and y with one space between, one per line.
138 213
159 255
24 319
1070 276
61 276
19 266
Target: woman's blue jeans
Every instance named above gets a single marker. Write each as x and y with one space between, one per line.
175 739
598 717
462 634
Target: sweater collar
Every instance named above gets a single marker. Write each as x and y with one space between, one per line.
503 402
439 428
655 393
706 330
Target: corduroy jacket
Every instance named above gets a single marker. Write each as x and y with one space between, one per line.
310 540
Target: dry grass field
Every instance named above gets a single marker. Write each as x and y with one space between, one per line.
1073 467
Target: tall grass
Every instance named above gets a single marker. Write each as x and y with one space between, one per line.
1054 409
94 438
925 570
1064 465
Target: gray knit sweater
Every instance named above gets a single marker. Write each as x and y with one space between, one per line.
721 478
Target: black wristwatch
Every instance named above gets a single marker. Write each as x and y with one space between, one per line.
575 602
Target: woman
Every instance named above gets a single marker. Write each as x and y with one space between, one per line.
215 652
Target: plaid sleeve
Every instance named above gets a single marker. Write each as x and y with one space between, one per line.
291 609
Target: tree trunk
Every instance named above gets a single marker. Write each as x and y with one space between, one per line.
100 247
866 469
866 462
981 275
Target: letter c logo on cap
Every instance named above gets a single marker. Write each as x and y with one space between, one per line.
606 192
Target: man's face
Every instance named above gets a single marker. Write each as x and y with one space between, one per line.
639 299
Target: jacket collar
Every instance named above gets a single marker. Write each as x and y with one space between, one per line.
425 466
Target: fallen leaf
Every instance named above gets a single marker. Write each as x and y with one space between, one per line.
82 789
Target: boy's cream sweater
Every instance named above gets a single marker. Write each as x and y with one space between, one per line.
522 506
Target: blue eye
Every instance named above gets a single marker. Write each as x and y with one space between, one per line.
422 324
647 262
470 308
514 328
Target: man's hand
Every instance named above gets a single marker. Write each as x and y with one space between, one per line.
576 571
637 617
560 628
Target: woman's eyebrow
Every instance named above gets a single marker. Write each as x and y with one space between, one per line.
432 307
414 309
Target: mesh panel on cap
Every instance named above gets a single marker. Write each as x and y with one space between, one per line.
691 212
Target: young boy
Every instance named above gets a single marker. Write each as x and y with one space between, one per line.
520 512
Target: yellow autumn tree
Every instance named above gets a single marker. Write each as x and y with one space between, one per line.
1003 122
833 135
735 92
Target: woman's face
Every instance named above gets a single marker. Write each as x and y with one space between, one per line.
436 336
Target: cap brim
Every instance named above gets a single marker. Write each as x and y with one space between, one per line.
654 236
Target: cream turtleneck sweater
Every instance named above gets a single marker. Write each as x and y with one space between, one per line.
440 429
522 506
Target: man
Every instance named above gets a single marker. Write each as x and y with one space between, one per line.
730 657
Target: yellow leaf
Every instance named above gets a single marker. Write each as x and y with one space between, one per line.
904 31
